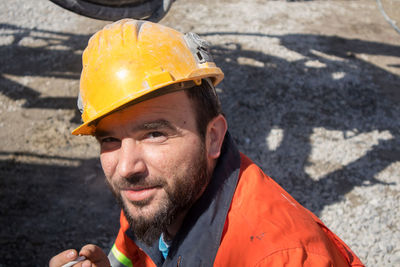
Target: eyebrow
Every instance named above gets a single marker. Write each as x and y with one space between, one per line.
145 126
154 125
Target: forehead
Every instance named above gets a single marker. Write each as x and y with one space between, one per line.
174 107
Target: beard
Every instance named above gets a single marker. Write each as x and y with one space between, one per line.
180 196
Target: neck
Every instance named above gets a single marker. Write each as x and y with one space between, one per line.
173 229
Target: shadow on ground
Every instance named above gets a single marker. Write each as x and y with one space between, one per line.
40 53
49 204
340 92
42 197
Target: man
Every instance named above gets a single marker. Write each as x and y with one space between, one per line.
188 197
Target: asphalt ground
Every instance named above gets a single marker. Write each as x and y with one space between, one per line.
311 94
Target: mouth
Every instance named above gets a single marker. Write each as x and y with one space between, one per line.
140 194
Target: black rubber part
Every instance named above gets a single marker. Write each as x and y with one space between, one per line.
152 10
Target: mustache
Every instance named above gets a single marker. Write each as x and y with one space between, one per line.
138 180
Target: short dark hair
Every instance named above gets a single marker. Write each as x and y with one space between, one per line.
206 105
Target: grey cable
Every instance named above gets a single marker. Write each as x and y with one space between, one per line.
389 20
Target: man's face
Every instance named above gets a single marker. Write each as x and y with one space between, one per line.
154 161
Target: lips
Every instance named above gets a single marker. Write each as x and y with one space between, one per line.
139 194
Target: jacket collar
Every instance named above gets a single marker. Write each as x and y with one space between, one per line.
198 240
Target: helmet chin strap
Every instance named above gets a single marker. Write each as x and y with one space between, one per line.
79 103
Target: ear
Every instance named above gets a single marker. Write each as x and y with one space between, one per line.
215 134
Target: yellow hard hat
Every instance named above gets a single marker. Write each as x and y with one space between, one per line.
130 60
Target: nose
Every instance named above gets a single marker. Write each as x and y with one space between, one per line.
131 162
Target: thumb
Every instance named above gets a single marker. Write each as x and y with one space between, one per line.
63 258
95 255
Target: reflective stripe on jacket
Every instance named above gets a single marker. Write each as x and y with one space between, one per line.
244 218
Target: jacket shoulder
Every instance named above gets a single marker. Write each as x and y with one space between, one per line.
266 224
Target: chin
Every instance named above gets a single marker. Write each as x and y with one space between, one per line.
145 212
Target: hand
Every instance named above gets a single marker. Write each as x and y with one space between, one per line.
95 257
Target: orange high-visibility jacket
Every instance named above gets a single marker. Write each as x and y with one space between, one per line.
243 218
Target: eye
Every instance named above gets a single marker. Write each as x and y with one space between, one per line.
108 140
155 136
109 143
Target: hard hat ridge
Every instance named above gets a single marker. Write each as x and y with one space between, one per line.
129 59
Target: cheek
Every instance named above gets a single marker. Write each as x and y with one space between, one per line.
158 159
109 162
174 158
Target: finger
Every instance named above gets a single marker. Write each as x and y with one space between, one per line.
87 263
63 257
95 254
77 260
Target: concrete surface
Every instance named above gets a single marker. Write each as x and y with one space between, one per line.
311 94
